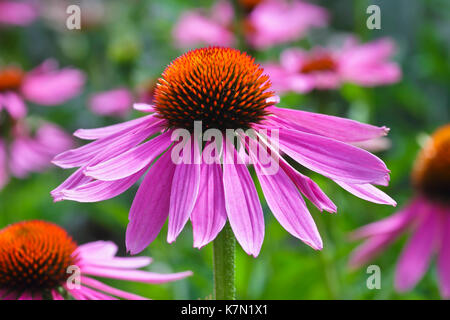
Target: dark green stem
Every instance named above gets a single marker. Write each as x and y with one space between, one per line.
224 269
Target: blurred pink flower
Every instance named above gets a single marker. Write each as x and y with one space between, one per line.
195 28
236 96
323 68
116 102
19 13
44 85
427 215
30 271
274 22
23 152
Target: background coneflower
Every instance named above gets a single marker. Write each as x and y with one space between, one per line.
428 215
38 258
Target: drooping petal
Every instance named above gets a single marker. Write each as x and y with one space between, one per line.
119 262
56 295
287 204
333 159
371 248
144 107
4 177
52 88
14 105
106 147
130 161
444 258
397 221
98 133
135 275
184 192
416 256
105 288
341 129
150 207
308 188
368 192
242 204
209 214
97 190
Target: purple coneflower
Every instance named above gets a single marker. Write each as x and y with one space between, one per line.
44 85
23 150
224 89
427 215
39 260
324 68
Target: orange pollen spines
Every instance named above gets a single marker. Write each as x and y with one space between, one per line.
34 256
431 174
222 87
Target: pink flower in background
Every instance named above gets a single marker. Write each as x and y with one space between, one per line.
37 259
427 216
44 85
195 28
226 90
323 68
23 152
19 13
273 22
116 102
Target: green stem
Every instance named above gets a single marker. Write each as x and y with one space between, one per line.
224 269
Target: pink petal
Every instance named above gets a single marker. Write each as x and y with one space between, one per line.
444 258
135 275
56 295
416 256
242 204
105 148
113 102
119 263
97 190
183 195
333 159
53 88
287 204
17 13
26 296
308 188
105 288
393 223
341 129
209 214
368 192
4 176
144 107
98 133
150 206
97 250
130 161
14 105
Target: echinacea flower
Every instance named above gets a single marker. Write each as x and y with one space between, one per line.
274 22
427 216
225 90
44 85
17 13
115 102
325 68
24 150
39 260
197 28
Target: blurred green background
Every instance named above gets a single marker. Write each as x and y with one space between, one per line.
134 45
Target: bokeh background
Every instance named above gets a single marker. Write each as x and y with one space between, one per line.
130 45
